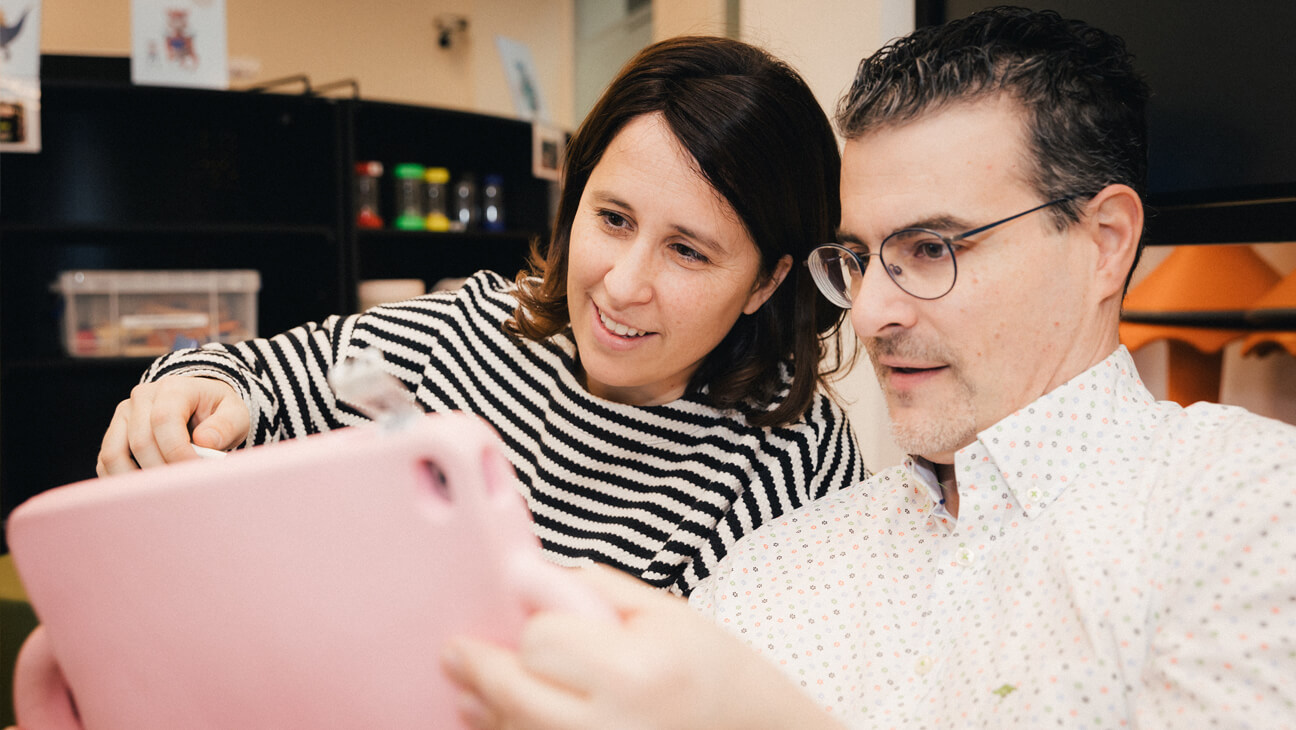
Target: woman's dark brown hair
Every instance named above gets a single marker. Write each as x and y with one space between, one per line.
762 141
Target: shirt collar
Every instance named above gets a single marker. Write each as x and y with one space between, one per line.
1042 448
922 473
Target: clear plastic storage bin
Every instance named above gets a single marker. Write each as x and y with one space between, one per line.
149 313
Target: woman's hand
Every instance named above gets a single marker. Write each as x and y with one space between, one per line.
153 426
660 666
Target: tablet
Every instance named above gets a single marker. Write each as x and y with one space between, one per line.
308 583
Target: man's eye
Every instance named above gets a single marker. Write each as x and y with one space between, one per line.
931 250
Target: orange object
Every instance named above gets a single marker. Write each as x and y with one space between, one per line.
1278 302
1204 280
1193 375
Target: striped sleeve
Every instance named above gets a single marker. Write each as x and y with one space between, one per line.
660 491
284 379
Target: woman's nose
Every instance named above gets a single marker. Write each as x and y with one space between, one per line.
629 278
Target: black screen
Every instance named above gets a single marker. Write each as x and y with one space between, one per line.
1223 78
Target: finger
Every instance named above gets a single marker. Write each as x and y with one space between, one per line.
625 593
576 647
500 693
114 450
221 421
176 403
569 650
140 439
544 586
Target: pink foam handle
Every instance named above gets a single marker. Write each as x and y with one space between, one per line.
42 698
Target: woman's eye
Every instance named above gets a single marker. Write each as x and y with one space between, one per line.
691 254
613 219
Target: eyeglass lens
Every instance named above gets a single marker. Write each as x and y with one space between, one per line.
918 261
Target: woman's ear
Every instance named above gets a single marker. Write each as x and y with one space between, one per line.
1114 221
765 289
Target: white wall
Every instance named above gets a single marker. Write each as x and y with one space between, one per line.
689 17
607 36
390 46
825 40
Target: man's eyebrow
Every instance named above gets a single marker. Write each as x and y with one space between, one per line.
844 236
942 224
938 223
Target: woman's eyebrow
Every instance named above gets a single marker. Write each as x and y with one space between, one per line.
608 198
604 196
706 242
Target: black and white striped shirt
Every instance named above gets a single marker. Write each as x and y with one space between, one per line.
657 491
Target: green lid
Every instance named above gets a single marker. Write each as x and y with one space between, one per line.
408 171
410 222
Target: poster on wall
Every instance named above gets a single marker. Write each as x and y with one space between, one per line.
20 76
179 43
523 81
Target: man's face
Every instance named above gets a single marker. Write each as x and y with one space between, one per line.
1020 319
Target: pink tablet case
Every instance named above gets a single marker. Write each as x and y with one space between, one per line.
305 584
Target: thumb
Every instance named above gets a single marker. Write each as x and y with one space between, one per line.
623 592
225 428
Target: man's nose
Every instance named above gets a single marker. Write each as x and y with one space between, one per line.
880 306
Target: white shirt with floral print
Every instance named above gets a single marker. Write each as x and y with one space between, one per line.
1116 562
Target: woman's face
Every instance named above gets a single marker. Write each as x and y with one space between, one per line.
660 268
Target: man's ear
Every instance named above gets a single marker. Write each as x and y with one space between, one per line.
765 289
1114 220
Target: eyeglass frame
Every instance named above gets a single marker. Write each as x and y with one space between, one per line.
949 241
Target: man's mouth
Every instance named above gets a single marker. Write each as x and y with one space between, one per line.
909 371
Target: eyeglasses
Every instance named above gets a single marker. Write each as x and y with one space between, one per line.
920 262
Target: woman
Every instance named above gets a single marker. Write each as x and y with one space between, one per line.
655 376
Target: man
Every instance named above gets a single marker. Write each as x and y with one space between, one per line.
1060 550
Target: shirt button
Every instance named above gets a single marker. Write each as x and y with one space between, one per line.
924 665
965 557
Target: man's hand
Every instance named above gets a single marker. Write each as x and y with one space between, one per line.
660 666
152 427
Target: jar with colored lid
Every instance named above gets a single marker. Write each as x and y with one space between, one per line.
409 196
367 175
436 182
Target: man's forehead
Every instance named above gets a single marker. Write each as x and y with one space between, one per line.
951 161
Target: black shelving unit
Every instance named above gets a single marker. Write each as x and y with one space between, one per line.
463 143
160 178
